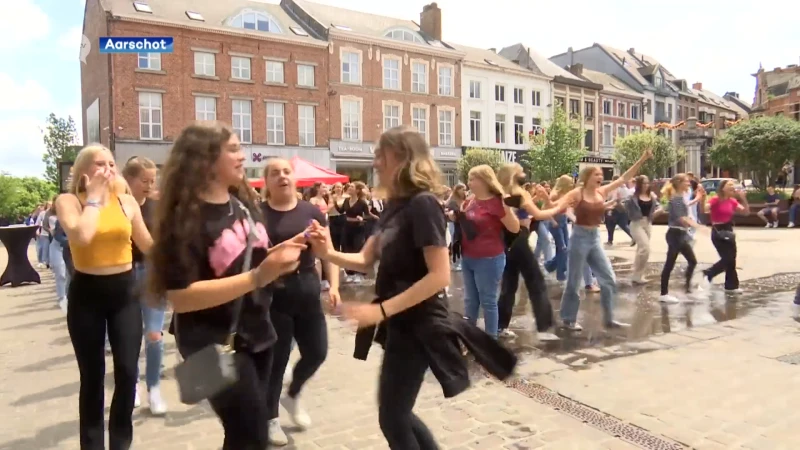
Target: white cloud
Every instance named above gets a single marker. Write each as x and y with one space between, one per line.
22 22
22 146
28 95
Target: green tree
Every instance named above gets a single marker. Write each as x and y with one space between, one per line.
59 140
20 196
475 157
557 151
761 145
629 149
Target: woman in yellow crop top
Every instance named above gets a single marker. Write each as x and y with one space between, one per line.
100 220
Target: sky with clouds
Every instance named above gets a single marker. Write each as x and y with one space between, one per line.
717 42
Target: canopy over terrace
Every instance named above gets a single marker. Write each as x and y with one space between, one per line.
306 174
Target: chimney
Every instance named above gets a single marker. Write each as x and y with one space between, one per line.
697 86
430 20
576 69
632 51
570 56
493 50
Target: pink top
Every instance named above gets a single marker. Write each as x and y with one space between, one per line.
722 210
485 215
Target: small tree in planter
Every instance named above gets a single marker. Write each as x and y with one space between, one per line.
557 151
475 157
629 149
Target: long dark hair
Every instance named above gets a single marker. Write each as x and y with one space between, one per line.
184 176
314 191
640 181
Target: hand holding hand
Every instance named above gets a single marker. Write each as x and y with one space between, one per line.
283 258
319 238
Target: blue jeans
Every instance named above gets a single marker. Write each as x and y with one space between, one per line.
59 268
794 210
482 277
561 240
153 322
43 249
543 247
586 250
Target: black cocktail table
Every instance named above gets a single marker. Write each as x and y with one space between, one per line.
19 270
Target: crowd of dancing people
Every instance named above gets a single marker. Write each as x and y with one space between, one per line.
246 274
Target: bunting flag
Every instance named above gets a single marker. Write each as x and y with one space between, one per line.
681 124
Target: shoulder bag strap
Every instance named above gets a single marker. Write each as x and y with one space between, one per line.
248 261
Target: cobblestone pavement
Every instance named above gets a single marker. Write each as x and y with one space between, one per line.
704 381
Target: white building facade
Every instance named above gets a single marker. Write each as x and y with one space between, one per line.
501 103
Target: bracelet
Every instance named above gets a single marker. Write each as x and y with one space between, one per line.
383 311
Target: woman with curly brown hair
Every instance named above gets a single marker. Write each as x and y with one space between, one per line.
202 229
417 329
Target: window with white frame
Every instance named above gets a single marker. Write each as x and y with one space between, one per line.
622 109
608 135
391 73
536 98
445 80
620 131
150 61
519 130
391 116
150 121
255 20
240 68
276 124
307 125
305 75
419 120
402 34
351 67
419 77
635 112
536 126
275 72
474 89
499 93
475 126
607 107
205 108
243 120
446 128
351 120
518 100
205 64
500 128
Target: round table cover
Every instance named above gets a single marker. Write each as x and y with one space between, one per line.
16 240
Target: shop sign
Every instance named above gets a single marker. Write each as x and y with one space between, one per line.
509 156
357 149
446 153
597 160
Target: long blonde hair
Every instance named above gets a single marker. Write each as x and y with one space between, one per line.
564 184
486 174
83 162
668 191
507 176
418 171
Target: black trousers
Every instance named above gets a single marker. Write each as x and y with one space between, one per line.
337 224
96 304
242 407
727 254
521 260
617 218
678 244
353 239
297 316
402 373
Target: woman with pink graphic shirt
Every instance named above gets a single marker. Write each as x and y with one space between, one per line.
201 229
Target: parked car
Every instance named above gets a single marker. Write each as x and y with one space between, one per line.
712 184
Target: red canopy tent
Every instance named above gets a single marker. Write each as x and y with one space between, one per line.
306 174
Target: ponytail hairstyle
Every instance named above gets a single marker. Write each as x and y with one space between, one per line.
486 174
669 189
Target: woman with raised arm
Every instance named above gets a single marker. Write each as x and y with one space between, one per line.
519 255
202 229
722 208
296 310
100 220
586 247
416 328
679 242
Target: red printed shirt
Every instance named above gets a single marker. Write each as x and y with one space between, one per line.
485 215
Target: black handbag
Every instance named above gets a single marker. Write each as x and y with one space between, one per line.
725 235
211 370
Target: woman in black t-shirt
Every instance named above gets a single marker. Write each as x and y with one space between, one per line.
201 231
356 210
417 329
296 309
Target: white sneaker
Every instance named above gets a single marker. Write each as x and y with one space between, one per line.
299 415
157 405
137 401
736 291
791 225
668 299
507 333
639 280
769 225
276 435
62 305
546 336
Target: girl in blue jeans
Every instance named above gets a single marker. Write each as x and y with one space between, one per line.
483 218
